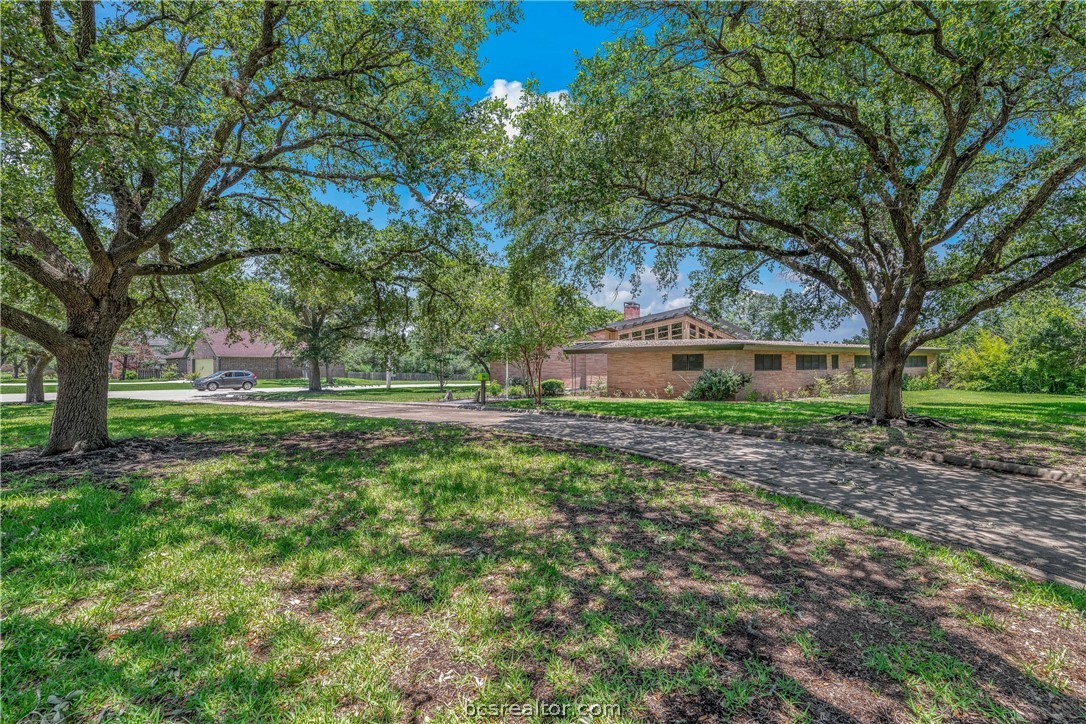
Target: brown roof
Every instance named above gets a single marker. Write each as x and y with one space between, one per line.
625 344
728 327
238 344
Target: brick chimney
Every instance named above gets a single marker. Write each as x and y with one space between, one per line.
631 310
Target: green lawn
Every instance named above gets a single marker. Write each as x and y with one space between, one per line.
282 565
398 394
1036 429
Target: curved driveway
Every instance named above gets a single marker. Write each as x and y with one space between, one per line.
1035 524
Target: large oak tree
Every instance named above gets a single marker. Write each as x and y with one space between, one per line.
923 162
142 139
378 276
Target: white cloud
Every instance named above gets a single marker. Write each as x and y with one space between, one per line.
651 297
469 202
511 93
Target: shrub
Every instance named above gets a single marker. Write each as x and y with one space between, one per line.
929 381
984 366
717 385
861 380
516 390
552 388
838 383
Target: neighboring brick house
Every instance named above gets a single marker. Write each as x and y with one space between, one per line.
217 349
672 348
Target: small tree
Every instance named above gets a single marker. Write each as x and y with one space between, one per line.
540 315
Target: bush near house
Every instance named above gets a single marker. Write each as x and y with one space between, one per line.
553 388
717 385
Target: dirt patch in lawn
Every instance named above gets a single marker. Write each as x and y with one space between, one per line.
158 456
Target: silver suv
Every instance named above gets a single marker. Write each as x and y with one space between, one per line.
233 379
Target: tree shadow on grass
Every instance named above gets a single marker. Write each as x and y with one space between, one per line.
393 581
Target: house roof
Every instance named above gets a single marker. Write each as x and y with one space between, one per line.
238 344
628 344
672 314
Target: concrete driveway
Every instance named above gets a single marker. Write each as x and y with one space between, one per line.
1035 524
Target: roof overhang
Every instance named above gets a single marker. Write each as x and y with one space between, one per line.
606 346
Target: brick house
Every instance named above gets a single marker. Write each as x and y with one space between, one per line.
672 348
216 350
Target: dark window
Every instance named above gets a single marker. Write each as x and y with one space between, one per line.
863 361
916 360
687 362
810 361
835 362
767 362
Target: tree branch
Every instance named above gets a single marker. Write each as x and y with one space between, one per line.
33 327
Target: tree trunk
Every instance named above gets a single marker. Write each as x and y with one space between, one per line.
314 375
35 377
888 371
79 418
537 382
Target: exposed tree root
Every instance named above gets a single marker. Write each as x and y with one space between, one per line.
905 421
